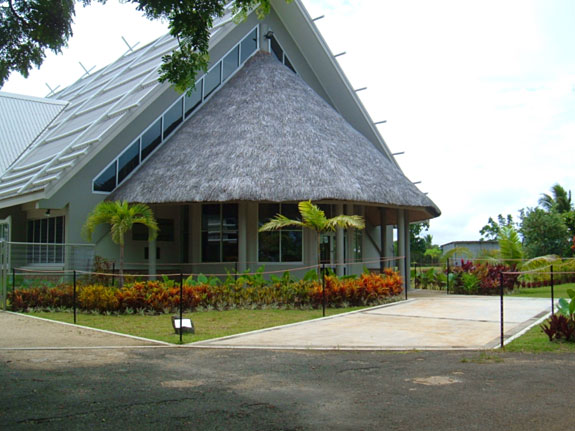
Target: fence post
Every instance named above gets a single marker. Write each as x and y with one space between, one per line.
113 274
181 306
13 287
501 307
552 294
447 279
415 275
74 296
323 287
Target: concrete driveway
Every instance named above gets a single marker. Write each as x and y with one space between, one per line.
423 323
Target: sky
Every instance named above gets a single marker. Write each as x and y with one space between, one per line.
480 95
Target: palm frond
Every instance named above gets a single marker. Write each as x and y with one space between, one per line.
464 251
280 221
510 247
539 263
345 222
313 217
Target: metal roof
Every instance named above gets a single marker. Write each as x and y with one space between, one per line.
22 119
92 107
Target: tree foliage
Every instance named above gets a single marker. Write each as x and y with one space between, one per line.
543 233
559 200
29 28
492 229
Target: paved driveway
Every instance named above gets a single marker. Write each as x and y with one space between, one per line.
443 322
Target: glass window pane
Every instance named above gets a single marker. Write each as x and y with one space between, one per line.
211 217
291 211
276 49
269 246
151 138
288 64
230 247
210 246
106 182
194 99
139 232
172 118
249 45
291 246
231 62
212 79
266 212
128 161
166 227
230 217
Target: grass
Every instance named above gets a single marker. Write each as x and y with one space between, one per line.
544 292
208 324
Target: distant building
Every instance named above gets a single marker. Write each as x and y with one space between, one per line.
477 248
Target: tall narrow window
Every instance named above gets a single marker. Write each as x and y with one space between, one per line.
220 233
249 45
106 182
279 246
231 62
151 138
173 117
194 98
128 161
213 79
47 237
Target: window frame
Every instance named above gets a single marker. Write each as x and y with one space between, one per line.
280 261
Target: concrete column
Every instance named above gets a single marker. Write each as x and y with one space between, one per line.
251 214
401 249
407 252
349 267
242 237
152 269
339 244
383 232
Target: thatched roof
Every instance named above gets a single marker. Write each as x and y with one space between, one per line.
267 136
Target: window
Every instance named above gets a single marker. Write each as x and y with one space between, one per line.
128 161
173 117
48 233
284 245
194 99
165 230
213 79
249 45
106 182
220 233
231 62
280 54
151 138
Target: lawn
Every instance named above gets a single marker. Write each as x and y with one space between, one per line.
208 324
544 292
535 340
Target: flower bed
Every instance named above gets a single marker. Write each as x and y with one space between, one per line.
164 296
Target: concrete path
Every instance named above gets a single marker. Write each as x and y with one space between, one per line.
434 322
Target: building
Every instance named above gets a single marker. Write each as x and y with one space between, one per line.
470 249
273 121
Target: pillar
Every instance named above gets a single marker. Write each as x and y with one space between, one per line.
407 251
339 244
242 237
401 249
383 236
152 258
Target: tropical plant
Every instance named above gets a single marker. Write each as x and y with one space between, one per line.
510 247
313 218
559 200
543 233
121 217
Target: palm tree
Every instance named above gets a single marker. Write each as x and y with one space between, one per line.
314 219
510 247
121 216
560 201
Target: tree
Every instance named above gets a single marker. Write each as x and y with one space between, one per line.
491 230
418 243
314 219
543 233
560 201
121 216
28 28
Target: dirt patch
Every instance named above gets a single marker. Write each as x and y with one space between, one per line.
435 380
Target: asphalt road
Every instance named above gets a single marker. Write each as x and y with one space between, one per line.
204 389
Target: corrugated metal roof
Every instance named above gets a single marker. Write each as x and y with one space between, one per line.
88 110
22 119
